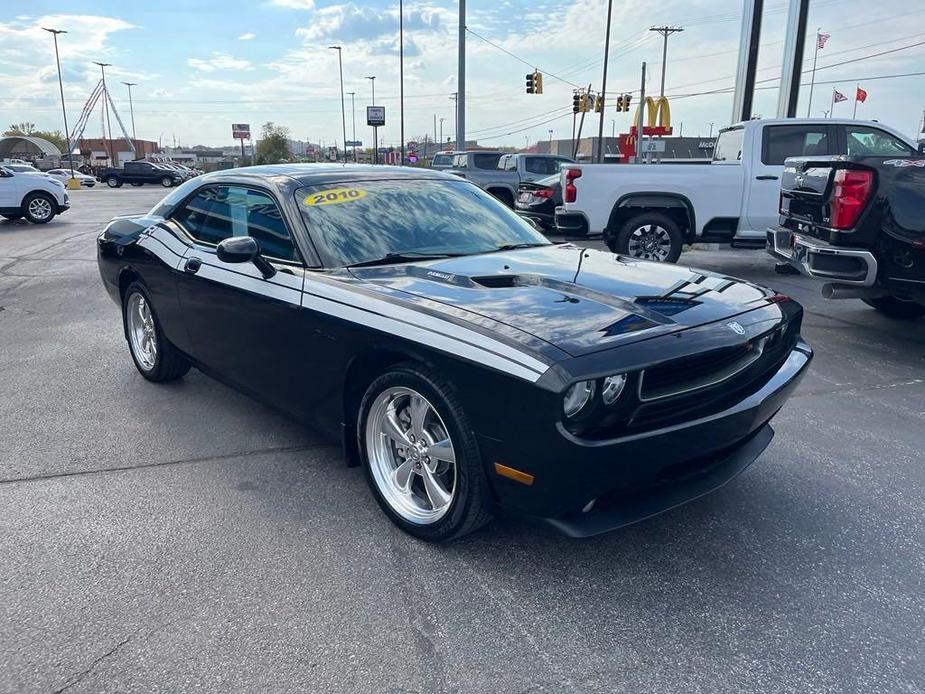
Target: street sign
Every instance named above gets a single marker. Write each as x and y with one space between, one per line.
413 158
241 131
375 116
653 146
354 143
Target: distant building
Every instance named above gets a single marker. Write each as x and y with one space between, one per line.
678 150
99 151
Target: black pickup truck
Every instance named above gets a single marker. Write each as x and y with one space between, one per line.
140 172
857 224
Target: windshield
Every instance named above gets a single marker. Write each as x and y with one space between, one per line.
443 159
366 220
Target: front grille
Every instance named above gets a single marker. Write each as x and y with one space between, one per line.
700 371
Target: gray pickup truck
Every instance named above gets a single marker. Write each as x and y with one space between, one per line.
501 173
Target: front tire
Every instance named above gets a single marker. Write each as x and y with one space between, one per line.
894 307
38 208
167 181
113 182
649 236
420 456
154 355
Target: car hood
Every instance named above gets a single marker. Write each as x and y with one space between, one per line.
576 299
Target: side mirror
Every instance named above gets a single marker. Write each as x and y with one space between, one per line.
245 249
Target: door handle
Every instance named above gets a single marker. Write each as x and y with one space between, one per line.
766 177
192 265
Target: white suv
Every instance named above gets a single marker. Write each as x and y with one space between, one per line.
38 198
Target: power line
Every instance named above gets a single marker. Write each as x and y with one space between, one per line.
517 57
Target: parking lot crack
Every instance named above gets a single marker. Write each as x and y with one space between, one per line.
75 679
163 463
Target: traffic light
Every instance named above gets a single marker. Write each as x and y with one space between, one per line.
620 103
576 102
626 101
585 107
531 83
598 103
538 81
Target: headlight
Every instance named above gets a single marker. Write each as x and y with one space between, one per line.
612 388
577 397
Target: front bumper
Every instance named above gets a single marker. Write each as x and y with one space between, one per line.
821 260
634 477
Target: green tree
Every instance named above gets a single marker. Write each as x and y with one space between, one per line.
273 146
27 129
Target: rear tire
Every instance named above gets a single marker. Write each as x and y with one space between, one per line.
403 462
894 307
113 182
39 208
649 236
154 355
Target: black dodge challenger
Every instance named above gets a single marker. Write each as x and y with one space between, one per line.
465 362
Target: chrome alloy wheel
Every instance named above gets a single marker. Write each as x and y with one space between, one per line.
649 242
411 455
40 208
142 337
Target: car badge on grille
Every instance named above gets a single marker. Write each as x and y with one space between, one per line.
736 328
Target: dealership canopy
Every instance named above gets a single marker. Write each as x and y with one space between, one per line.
24 147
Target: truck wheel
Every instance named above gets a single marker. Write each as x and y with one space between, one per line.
113 182
167 181
504 196
894 307
648 236
38 208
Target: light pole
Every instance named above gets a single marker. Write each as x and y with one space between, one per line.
401 78
353 116
461 80
441 131
372 83
108 133
600 124
131 107
550 140
67 135
343 108
711 129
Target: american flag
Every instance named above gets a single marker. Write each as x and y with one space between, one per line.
821 39
838 96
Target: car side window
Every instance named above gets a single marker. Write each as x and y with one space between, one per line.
782 141
541 165
485 161
873 142
216 213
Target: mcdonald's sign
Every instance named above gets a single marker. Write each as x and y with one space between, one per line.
658 117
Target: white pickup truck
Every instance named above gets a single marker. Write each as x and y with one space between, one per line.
651 211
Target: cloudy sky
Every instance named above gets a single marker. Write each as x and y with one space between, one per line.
198 70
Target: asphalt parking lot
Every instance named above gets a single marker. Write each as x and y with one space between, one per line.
180 537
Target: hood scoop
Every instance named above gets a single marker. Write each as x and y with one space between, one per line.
498 281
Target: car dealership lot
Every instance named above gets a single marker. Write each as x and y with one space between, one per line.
174 536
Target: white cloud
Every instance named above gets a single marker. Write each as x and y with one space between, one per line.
161 93
294 4
219 61
350 22
247 37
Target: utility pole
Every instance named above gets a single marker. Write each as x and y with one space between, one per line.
550 140
401 78
372 82
108 134
454 97
353 116
711 130
441 131
67 135
435 132
600 124
461 81
665 31
343 108
639 112
131 107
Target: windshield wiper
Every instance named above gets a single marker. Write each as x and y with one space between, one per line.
515 246
404 257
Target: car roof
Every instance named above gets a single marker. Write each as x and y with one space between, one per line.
312 174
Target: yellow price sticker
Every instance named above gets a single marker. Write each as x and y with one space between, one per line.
334 196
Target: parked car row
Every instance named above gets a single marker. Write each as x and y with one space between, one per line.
33 196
